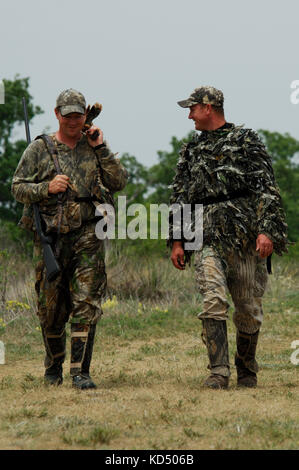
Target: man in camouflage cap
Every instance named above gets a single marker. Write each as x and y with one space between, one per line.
227 169
204 95
68 174
71 101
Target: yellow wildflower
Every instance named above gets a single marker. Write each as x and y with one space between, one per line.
110 303
16 305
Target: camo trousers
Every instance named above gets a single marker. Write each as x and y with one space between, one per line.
76 294
244 278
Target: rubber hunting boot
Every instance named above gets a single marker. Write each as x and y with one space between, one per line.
55 354
245 361
82 340
215 338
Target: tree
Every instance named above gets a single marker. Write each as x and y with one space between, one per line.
138 179
11 115
283 149
280 146
162 174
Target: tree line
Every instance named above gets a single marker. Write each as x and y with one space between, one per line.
146 184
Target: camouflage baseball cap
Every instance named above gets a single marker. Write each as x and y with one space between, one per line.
204 95
71 101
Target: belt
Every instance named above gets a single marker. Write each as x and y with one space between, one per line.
224 197
85 199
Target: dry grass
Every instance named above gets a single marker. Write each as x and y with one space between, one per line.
149 395
149 364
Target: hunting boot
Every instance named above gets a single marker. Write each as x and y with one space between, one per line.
82 340
246 364
215 337
55 355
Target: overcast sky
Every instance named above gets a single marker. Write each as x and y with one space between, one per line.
138 58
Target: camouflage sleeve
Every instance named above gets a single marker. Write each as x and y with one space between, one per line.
114 175
26 187
271 219
179 197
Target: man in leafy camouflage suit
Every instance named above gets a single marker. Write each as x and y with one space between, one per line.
228 170
68 173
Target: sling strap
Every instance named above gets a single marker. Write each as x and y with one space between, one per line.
51 147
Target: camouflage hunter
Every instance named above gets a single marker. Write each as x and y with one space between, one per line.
81 164
95 174
223 162
229 171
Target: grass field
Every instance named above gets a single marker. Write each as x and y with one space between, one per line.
149 364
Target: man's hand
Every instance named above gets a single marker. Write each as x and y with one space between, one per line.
58 184
100 138
264 245
177 255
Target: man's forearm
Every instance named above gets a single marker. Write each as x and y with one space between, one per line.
177 243
29 193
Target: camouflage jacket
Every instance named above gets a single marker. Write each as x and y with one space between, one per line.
231 163
93 174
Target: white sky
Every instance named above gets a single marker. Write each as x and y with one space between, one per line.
138 58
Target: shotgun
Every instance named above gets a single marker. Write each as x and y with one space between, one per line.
52 266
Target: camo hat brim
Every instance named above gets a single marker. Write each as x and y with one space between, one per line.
203 95
71 109
71 101
187 103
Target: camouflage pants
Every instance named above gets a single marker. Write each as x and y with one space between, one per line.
76 294
244 278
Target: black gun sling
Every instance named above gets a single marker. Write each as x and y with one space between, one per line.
48 141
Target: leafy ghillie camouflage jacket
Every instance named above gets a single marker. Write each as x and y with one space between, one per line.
230 163
95 174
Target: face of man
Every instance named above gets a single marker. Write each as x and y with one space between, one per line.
71 124
200 114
